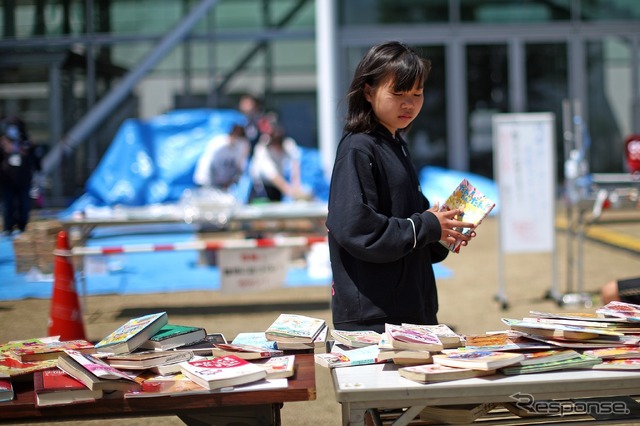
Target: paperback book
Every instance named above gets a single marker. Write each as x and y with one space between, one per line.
204 346
559 331
339 357
56 387
403 337
623 352
224 371
475 206
257 338
356 339
551 355
244 351
581 361
616 309
446 335
319 342
405 357
132 334
174 335
42 351
95 373
618 364
147 359
478 360
508 341
11 367
278 367
440 373
6 389
294 328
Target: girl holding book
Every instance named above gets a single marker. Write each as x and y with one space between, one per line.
384 235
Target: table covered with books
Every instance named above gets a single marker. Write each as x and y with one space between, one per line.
261 407
543 369
149 367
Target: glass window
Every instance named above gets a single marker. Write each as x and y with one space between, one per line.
610 102
487 94
509 11
599 10
368 12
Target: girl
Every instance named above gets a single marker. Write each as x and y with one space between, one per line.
383 235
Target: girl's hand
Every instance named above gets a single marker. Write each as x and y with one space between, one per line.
450 226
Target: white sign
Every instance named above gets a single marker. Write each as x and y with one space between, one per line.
256 269
524 164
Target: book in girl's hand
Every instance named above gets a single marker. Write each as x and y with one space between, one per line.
294 328
356 339
223 371
56 387
174 335
409 337
132 334
439 373
477 360
475 207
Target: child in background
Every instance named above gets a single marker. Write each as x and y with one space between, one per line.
383 234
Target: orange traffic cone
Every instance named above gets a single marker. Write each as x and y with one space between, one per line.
65 317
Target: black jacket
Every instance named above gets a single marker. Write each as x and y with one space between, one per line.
378 274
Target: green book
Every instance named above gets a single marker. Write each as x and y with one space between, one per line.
582 361
173 336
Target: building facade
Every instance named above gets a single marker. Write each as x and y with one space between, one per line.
75 69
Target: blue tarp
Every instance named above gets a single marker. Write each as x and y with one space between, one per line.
152 161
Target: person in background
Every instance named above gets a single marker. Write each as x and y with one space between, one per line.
251 107
275 167
383 233
19 160
622 290
224 160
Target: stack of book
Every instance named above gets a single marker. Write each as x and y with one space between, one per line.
297 332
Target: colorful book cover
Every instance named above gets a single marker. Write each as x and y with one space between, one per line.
618 364
244 351
345 358
581 361
628 311
12 367
475 207
255 339
478 360
412 338
356 339
56 387
446 335
294 327
278 367
96 366
439 373
174 335
132 334
622 352
40 351
552 355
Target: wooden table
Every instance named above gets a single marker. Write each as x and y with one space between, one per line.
252 408
379 386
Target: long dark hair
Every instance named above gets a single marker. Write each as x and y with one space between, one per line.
390 59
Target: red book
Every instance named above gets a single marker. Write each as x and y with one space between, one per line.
6 389
55 387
